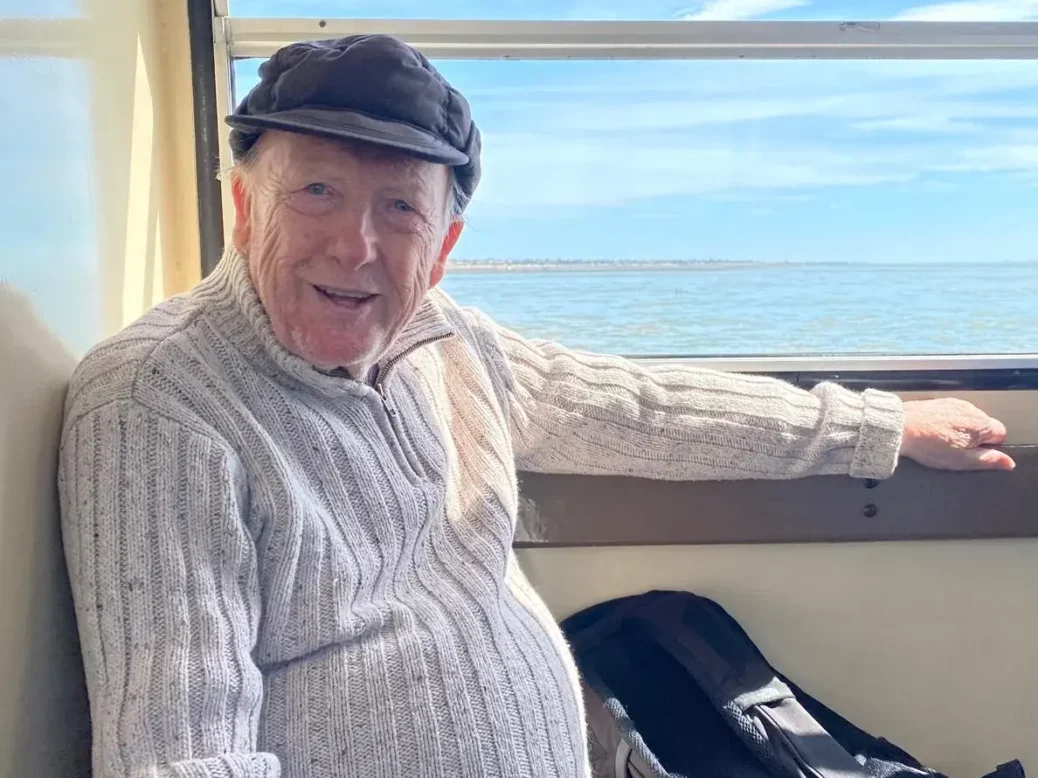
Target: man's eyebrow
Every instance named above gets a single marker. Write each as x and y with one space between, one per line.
306 169
413 178
409 177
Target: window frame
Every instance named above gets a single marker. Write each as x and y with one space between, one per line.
236 38
465 39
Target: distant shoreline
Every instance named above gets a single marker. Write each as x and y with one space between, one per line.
617 266
691 265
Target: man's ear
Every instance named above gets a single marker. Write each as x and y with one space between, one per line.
242 213
449 241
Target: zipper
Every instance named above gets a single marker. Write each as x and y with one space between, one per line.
401 445
383 372
385 400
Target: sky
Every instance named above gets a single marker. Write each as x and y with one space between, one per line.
743 160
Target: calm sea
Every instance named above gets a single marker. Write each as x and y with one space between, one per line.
754 310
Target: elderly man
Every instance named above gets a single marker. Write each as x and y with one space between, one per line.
289 495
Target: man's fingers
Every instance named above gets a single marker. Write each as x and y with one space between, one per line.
994 433
988 459
951 434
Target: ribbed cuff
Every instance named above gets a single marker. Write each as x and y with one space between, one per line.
880 435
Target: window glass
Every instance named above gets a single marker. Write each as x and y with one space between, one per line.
728 10
751 207
47 207
40 9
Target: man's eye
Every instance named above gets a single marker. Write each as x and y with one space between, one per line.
314 199
402 206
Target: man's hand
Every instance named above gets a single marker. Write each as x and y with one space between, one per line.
953 435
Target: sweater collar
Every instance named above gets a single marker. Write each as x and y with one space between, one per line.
242 319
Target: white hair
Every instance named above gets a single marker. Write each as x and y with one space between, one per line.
456 197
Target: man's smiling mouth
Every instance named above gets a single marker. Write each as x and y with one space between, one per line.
346 298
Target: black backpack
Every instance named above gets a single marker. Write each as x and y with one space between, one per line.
676 689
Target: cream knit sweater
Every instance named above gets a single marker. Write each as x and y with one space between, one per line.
280 572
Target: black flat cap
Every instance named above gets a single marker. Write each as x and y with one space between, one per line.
371 88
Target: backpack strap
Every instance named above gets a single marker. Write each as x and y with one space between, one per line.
746 691
804 746
626 753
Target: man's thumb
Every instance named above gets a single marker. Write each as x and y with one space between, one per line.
989 459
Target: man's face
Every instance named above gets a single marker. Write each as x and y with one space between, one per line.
343 242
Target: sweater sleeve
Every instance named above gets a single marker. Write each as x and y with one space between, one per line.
573 412
164 578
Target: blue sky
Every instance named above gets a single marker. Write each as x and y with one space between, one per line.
963 10
811 161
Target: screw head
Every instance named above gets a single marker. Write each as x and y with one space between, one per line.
870 511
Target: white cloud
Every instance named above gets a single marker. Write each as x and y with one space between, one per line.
602 173
537 86
933 124
736 132
675 96
611 173
996 159
973 11
918 110
761 197
732 10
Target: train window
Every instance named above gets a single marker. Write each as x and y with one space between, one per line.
754 207
763 183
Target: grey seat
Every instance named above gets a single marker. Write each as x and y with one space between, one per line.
44 719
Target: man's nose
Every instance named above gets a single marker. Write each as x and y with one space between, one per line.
355 242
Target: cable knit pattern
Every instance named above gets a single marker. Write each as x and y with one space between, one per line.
277 572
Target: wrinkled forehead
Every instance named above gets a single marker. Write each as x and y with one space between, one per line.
290 155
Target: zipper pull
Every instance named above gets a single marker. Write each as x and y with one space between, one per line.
381 389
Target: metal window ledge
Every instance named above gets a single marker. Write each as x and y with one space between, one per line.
895 374
657 40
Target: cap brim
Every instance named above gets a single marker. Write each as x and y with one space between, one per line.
352 125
